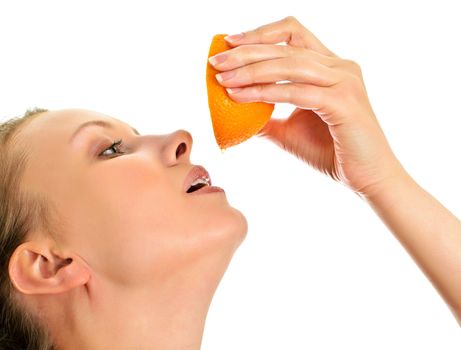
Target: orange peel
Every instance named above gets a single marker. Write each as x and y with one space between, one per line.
233 122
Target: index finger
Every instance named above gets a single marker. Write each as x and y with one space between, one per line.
288 30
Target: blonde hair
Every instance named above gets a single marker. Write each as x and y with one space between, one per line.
19 213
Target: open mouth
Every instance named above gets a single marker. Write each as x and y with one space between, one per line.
198 184
197 178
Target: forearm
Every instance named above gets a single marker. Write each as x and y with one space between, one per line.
429 232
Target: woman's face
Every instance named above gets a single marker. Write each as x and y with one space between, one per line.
127 215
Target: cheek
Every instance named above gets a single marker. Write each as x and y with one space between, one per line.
121 215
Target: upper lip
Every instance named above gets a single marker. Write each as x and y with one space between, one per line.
196 172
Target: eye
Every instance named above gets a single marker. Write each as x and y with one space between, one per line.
115 146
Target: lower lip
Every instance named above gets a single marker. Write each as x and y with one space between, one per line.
208 189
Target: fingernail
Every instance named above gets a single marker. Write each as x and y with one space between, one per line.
216 59
234 37
233 90
225 75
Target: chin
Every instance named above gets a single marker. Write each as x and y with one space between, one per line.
227 229
240 227
230 231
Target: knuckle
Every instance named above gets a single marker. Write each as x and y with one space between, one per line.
292 67
349 90
291 19
318 98
308 94
353 66
349 62
291 93
299 93
260 89
253 93
238 53
292 22
250 74
242 49
355 84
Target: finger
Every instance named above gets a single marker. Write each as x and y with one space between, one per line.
288 30
304 96
294 68
242 55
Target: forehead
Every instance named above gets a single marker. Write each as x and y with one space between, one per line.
59 124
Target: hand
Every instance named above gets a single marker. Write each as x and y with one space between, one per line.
333 127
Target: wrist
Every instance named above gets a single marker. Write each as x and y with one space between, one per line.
397 178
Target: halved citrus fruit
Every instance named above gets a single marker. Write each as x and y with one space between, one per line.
233 122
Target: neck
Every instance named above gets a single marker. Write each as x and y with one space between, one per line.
171 317
165 312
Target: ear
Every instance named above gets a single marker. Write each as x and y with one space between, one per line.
35 267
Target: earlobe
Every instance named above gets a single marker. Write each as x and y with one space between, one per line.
35 268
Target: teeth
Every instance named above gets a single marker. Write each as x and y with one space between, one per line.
201 180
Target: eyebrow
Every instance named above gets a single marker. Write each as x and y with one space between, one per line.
101 123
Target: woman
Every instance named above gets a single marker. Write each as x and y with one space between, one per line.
104 248
129 259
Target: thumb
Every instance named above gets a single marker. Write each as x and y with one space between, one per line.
274 130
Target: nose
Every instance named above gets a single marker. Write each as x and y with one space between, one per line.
177 146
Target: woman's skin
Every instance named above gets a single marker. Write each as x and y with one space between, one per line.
146 256
335 130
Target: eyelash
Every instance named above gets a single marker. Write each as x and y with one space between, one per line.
117 143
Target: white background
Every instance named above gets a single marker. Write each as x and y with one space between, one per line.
318 269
